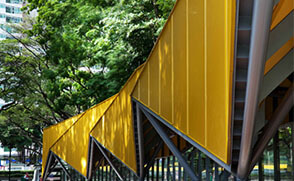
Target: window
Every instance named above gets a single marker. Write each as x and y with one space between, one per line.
7 28
13 10
14 1
2 5
2 16
13 19
6 149
9 10
17 11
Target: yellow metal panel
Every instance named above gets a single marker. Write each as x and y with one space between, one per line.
136 91
189 72
165 66
115 129
196 71
281 10
275 59
180 66
72 147
53 133
144 85
196 51
154 77
217 88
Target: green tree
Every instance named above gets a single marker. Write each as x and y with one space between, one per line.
73 56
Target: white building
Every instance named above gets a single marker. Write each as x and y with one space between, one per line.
10 12
1 103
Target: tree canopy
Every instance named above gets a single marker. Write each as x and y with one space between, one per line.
73 55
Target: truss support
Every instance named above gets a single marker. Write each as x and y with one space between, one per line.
140 139
151 162
272 126
90 162
62 166
108 159
48 164
170 145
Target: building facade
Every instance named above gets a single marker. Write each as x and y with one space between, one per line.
10 12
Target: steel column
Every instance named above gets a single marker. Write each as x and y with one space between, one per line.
207 168
170 145
276 157
216 172
157 169
168 170
109 172
260 169
162 169
108 160
199 165
174 168
184 174
152 175
292 136
262 14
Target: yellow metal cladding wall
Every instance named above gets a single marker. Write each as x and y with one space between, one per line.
53 133
72 147
115 129
187 79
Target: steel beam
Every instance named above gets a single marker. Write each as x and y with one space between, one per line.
140 139
108 160
90 159
277 75
47 167
280 35
272 126
62 166
170 145
262 13
185 137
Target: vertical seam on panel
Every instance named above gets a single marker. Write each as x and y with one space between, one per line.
187 64
226 68
205 67
159 76
227 77
139 89
149 86
172 66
